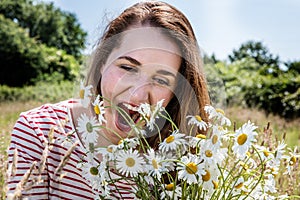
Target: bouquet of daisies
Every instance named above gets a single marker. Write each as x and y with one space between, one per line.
222 164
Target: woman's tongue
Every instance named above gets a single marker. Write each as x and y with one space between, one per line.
125 117
122 123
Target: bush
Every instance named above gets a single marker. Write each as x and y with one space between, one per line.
42 92
24 61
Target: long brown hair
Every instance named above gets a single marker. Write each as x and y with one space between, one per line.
191 93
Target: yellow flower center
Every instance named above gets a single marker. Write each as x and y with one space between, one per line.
201 136
238 186
191 168
274 172
81 94
214 139
109 149
94 171
148 117
154 164
208 153
198 118
89 127
292 161
206 176
120 142
248 153
219 110
170 139
130 162
266 153
170 187
97 109
216 184
242 138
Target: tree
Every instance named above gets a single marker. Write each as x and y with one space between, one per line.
47 24
268 63
24 61
38 42
293 67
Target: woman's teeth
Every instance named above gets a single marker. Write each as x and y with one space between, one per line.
130 107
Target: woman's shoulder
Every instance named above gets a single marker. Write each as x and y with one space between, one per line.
59 109
38 122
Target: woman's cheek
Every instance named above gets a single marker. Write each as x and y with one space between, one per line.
108 85
165 94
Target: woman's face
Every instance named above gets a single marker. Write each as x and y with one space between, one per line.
143 69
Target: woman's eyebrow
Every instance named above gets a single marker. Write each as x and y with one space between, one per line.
135 62
164 72
130 59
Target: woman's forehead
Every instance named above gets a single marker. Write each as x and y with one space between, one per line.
137 39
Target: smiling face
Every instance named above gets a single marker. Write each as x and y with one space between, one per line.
143 69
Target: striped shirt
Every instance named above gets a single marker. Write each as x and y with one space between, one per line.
30 137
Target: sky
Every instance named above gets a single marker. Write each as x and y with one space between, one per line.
220 25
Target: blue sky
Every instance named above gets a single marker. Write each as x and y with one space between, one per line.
220 25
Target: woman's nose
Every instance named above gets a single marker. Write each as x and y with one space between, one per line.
140 92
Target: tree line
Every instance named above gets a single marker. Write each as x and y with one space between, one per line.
254 77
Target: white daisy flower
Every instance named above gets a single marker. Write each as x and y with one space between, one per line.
89 128
212 155
129 163
292 160
266 196
264 153
109 153
156 165
279 151
196 141
217 114
269 184
99 109
128 143
171 191
197 120
272 167
169 161
218 135
210 178
90 171
190 169
173 142
244 137
85 94
150 112
238 186
137 130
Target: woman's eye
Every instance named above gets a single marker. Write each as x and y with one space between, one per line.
128 68
161 81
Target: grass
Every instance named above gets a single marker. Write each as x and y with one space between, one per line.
11 110
280 127
9 115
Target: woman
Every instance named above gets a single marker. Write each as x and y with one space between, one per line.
147 54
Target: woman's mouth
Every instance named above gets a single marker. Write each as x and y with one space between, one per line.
126 116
